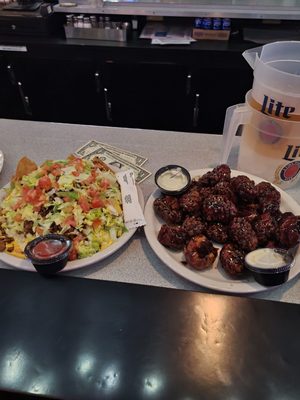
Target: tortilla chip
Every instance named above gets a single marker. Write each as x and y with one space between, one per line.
24 167
13 249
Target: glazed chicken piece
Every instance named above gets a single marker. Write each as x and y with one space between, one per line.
268 197
244 188
232 259
224 189
190 202
264 188
200 253
242 234
217 232
194 226
289 232
167 207
173 236
217 208
205 191
218 174
265 228
281 216
249 211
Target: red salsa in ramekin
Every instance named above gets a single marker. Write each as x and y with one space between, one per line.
49 248
49 253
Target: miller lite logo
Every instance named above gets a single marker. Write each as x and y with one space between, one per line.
271 132
290 171
276 108
292 152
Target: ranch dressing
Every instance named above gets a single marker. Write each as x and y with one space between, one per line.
265 258
172 179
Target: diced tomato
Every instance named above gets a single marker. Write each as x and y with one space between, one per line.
78 165
75 161
97 202
25 189
56 172
18 218
84 204
70 221
96 223
18 204
77 239
89 180
35 197
56 166
39 230
105 184
75 173
73 253
92 192
45 183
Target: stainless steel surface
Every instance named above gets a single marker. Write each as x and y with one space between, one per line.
256 9
135 262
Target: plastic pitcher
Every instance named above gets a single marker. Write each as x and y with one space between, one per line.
276 76
269 147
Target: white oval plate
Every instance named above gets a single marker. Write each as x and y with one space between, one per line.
1 160
26 265
214 278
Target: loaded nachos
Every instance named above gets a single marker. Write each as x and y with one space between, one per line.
78 198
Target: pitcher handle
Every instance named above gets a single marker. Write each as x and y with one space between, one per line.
236 115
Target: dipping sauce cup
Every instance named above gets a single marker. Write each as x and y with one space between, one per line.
270 267
49 254
172 179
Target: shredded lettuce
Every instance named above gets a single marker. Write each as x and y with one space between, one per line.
77 200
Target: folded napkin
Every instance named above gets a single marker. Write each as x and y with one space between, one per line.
133 213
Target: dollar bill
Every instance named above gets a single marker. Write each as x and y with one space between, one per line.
118 164
87 148
93 145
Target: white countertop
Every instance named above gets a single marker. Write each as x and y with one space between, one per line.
135 262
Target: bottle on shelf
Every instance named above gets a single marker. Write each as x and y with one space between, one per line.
86 22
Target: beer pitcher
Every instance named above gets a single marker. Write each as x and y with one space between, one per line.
270 141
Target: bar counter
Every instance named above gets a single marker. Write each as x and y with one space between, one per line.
135 262
128 331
